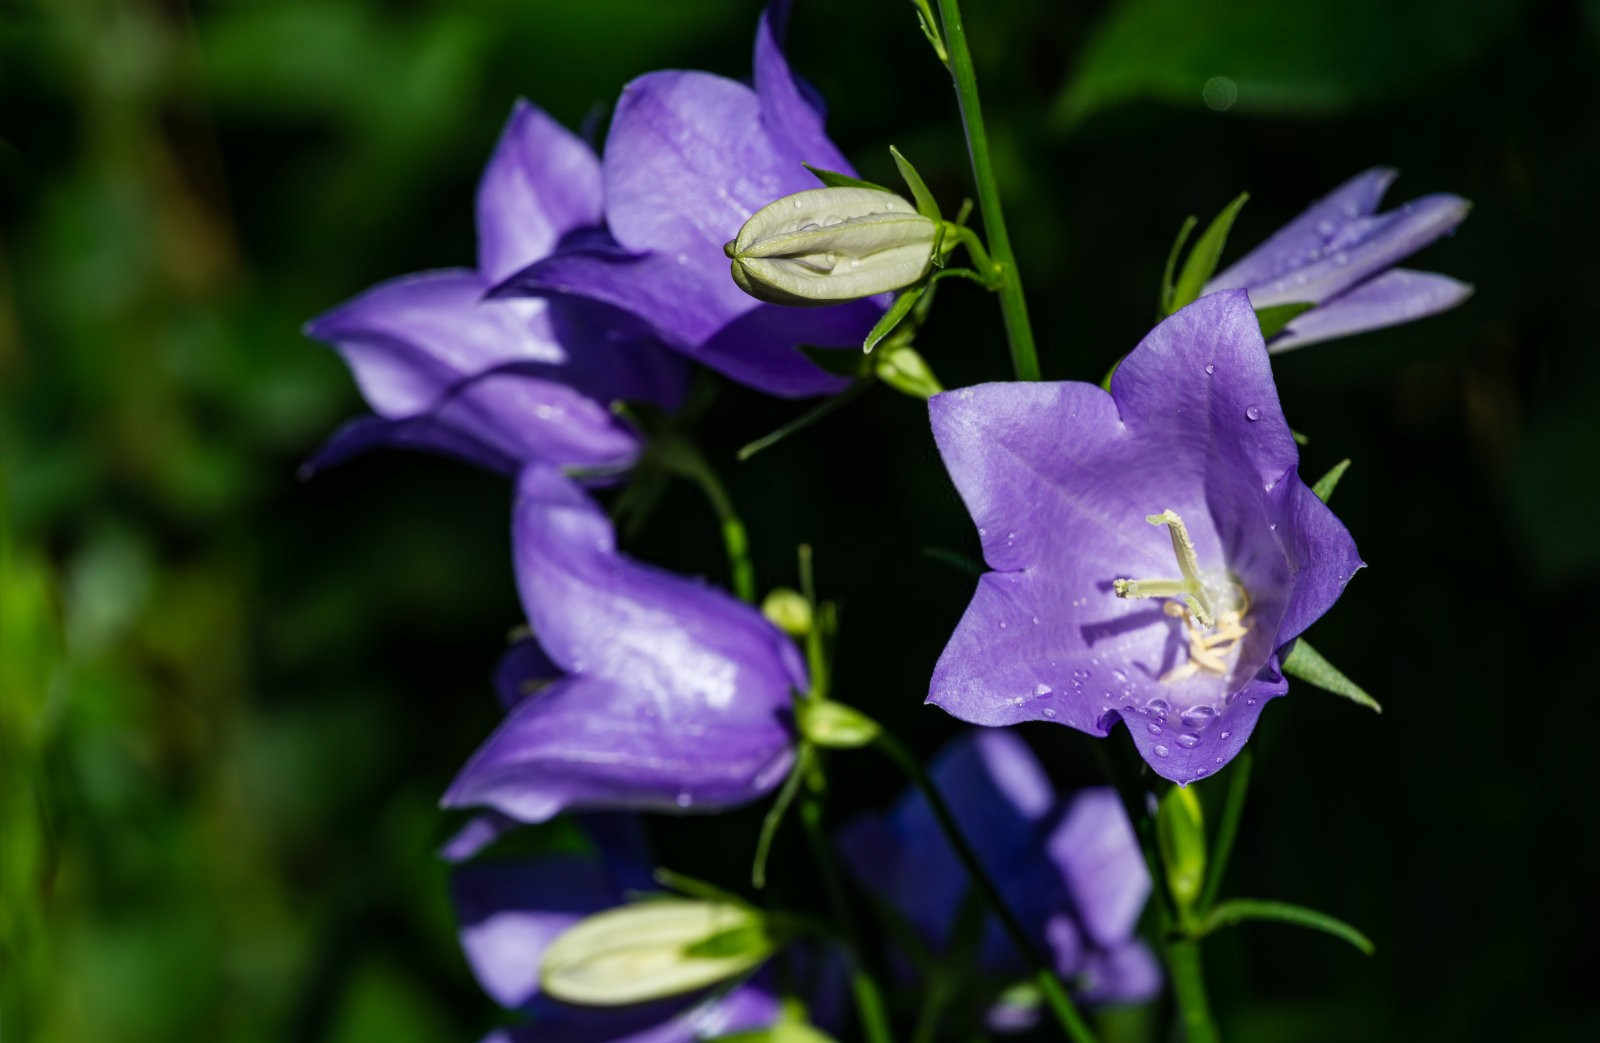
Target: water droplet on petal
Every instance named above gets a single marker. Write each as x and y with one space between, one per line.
1121 677
1188 742
1198 718
1042 689
1225 735
1210 368
1035 620
1049 711
1326 228
1161 751
1155 729
1252 414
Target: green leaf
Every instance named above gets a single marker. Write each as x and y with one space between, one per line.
834 179
1325 484
1307 664
904 301
649 951
774 817
1207 252
1245 910
1274 317
1299 439
1167 288
926 205
1269 56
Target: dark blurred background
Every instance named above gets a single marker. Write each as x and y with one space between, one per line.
229 700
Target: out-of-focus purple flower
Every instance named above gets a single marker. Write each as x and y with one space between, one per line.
689 157
1071 869
1339 254
510 913
671 696
1067 483
503 382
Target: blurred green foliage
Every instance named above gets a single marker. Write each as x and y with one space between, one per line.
228 700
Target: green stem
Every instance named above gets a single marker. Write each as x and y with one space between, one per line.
869 998
1055 993
1227 828
1189 986
685 460
1013 306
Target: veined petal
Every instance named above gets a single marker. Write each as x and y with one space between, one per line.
793 119
1095 849
424 433
542 182
1396 296
523 669
588 743
1296 242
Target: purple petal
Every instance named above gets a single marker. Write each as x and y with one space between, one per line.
746 1008
424 433
1295 243
1128 973
755 345
510 913
1097 853
541 183
490 374
1327 557
692 647
792 119
522 671
589 743
1396 296
479 832
1365 246
1060 479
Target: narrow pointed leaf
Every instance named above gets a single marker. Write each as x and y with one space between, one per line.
1202 261
834 179
839 362
1167 287
926 205
1325 484
903 303
774 819
804 420
1245 910
1307 664
1275 317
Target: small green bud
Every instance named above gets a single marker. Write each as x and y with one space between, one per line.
788 611
826 245
1181 833
904 370
653 949
834 725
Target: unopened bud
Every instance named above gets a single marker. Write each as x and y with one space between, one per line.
834 725
1181 833
826 245
903 369
788 611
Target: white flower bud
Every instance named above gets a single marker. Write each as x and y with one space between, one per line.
827 245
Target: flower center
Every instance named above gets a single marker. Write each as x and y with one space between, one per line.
1213 607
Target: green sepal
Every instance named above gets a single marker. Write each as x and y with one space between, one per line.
901 367
834 725
733 942
1181 834
1307 664
1202 260
1275 317
839 362
1245 910
1325 484
926 205
782 1032
904 301
1299 439
1167 287
834 179
1105 382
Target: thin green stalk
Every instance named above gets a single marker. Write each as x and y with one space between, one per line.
869 998
1227 828
1189 986
684 459
1055 993
1013 306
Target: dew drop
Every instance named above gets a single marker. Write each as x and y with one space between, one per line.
1049 711
1121 677
1002 624
1188 741
1198 718
1224 735
1249 702
797 204
1019 700
1035 620
1326 228
1161 750
1252 414
1042 689
1210 368
1155 729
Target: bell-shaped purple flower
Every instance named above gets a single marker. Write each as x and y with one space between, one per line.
1071 869
1339 256
1153 548
503 382
689 157
510 912
671 695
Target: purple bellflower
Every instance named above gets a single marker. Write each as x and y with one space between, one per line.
1071 869
659 692
1338 255
689 157
502 383
510 912
1154 549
